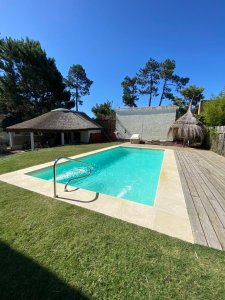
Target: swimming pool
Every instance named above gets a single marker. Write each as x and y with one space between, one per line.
123 172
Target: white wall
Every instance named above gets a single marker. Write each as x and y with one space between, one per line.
85 135
152 123
18 139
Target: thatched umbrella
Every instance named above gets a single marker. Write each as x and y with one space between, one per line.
188 128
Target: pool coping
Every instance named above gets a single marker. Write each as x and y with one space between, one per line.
168 215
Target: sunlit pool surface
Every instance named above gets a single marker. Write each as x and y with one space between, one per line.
127 173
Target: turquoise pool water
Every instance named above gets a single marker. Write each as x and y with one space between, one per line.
128 173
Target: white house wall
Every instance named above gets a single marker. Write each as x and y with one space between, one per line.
152 123
85 135
18 139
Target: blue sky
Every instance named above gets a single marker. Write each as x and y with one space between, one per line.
112 39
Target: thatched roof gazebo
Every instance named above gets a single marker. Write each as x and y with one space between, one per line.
61 121
187 128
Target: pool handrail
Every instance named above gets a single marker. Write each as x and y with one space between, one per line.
71 159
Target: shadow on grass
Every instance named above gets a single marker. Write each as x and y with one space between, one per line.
22 278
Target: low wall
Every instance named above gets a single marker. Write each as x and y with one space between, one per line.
151 123
217 139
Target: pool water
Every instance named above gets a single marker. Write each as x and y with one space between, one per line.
127 173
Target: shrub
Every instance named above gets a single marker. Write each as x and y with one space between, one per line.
214 111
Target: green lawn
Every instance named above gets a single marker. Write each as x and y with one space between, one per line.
27 159
53 250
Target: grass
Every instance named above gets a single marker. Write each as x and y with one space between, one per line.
53 250
27 159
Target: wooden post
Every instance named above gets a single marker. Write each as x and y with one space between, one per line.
223 142
32 141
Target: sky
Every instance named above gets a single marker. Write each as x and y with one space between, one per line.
112 39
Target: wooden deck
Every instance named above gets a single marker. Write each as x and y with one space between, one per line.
202 176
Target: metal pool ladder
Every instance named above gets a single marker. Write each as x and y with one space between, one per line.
78 177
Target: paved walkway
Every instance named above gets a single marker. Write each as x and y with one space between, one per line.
202 176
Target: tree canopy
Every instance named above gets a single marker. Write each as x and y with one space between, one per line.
103 110
170 80
79 84
150 79
30 83
192 95
214 110
130 91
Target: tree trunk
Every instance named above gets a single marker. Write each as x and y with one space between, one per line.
150 100
150 95
163 90
190 103
161 99
77 98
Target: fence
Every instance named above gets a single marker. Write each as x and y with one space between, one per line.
217 138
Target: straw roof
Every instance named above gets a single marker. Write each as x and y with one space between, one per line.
57 120
187 128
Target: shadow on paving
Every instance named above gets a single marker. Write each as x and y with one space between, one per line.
22 278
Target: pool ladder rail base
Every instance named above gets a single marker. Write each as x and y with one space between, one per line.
90 168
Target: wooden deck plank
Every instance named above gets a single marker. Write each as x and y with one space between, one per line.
213 173
213 158
204 194
214 168
212 208
211 162
208 228
215 190
197 229
191 185
212 188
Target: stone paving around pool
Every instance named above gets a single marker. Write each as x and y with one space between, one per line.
169 214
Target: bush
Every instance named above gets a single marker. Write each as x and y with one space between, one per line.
214 111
